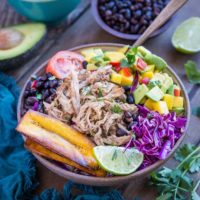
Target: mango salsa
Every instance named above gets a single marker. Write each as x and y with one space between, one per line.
116 78
178 102
127 81
114 56
161 107
149 104
169 99
148 75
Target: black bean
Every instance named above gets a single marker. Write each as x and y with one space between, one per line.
53 83
43 78
127 114
134 21
39 84
130 99
108 13
84 64
120 132
30 101
49 75
127 14
127 88
52 91
142 29
26 93
135 28
28 86
110 4
46 85
33 91
138 14
45 94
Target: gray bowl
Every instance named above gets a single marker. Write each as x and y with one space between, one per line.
118 34
106 181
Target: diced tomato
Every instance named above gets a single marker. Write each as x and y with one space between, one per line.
141 64
61 63
125 72
177 92
33 85
115 64
145 80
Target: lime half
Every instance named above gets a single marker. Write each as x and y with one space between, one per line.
186 37
118 161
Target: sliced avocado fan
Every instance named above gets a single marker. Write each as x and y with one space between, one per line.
17 43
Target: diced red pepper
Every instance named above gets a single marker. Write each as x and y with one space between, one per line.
145 80
33 85
141 64
125 72
115 64
177 92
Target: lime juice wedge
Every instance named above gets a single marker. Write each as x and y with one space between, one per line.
117 160
186 38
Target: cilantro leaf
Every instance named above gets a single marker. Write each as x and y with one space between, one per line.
184 151
116 109
124 63
193 74
166 196
131 55
195 166
194 195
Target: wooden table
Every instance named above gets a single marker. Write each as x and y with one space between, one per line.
80 28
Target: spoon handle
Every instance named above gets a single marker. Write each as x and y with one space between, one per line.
166 13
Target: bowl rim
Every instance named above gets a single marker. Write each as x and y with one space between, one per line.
127 36
106 181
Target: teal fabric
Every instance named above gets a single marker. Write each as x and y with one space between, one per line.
17 166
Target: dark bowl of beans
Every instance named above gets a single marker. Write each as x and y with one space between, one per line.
128 19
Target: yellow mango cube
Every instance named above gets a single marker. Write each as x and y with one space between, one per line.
169 99
178 102
116 78
148 75
127 81
149 104
161 107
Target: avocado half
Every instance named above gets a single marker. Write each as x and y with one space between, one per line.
19 42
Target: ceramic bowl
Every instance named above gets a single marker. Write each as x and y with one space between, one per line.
47 11
105 181
118 34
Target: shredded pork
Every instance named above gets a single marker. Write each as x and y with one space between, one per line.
93 105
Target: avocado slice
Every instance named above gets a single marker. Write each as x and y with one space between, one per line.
140 93
167 83
159 63
156 94
178 111
19 42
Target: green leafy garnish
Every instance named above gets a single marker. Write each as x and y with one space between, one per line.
193 74
52 78
116 109
38 96
100 92
131 55
176 183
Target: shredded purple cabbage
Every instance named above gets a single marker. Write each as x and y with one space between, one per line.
156 134
135 82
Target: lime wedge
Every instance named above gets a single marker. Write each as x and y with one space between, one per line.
117 161
186 37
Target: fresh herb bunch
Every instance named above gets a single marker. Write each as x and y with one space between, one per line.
176 183
192 72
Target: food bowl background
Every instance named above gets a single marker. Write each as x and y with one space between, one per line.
118 34
47 11
105 181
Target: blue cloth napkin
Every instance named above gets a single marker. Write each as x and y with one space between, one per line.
17 166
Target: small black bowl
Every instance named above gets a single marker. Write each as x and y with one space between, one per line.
118 34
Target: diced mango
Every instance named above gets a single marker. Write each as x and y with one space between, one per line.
178 102
169 99
127 81
91 67
148 75
115 56
149 104
161 107
90 53
116 78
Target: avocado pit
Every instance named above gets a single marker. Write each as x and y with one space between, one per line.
10 38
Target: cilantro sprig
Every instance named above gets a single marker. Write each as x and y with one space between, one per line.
176 183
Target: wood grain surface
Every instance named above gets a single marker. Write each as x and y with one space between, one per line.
80 28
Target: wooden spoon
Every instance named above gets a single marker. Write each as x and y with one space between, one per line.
166 13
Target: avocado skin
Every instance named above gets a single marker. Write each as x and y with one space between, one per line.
9 64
